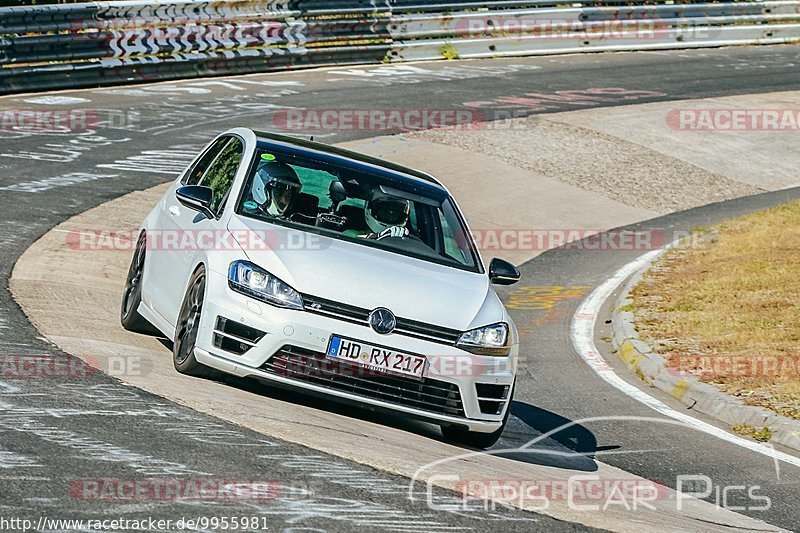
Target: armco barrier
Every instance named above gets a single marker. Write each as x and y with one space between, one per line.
105 43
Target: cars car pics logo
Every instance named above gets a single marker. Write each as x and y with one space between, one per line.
382 320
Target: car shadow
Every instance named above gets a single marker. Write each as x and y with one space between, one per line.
538 436
532 435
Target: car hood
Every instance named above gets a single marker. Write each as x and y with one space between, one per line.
367 277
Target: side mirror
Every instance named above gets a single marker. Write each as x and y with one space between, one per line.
502 272
336 193
198 198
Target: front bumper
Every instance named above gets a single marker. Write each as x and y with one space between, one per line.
309 334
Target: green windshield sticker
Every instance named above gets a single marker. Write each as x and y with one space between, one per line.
250 205
268 157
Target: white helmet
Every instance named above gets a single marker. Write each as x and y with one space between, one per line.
386 212
274 187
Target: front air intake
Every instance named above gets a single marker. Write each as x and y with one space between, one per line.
235 337
491 398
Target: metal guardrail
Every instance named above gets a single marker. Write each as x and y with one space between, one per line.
100 43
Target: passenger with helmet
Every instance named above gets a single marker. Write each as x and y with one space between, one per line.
387 216
274 188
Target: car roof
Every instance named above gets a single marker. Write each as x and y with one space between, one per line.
312 147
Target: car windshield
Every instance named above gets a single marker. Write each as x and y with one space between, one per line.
353 203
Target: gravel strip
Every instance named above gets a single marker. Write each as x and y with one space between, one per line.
623 171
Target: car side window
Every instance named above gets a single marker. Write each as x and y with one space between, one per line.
222 171
201 165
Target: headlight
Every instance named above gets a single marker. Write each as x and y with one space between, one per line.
488 340
246 278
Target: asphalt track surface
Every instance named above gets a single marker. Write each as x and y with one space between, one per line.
57 431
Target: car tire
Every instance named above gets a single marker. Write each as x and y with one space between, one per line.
129 315
189 321
474 439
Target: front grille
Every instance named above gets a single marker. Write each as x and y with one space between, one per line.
321 306
421 330
313 367
359 315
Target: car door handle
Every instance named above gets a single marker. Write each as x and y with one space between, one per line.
174 210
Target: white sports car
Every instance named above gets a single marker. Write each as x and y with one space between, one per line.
321 269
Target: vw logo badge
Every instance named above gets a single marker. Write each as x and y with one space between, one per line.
382 320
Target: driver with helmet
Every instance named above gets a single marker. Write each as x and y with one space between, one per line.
276 185
274 188
387 216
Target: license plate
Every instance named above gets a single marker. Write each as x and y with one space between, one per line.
375 358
